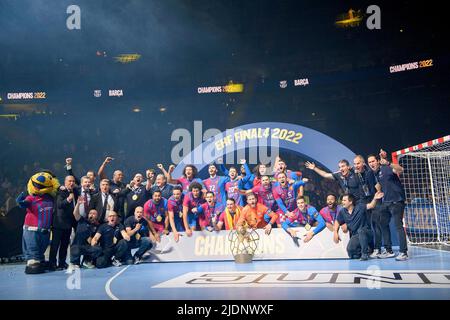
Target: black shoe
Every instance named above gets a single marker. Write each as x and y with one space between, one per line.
364 257
295 239
52 267
62 266
34 268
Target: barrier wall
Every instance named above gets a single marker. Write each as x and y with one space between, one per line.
215 246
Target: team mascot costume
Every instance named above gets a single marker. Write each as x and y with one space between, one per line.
42 188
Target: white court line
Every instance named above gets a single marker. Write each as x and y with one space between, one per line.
440 250
108 284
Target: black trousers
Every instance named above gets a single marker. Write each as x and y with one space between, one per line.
120 250
396 209
379 220
89 252
360 242
60 241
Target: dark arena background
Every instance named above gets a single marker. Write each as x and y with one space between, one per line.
147 82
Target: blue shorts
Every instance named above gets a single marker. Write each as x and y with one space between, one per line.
192 220
179 224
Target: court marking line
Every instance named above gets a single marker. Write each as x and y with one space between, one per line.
108 283
440 250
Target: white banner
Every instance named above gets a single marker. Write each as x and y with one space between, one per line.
214 246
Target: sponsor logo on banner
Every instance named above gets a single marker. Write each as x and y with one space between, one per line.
97 93
283 84
116 93
301 82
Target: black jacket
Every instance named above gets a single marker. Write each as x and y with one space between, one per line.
63 217
97 204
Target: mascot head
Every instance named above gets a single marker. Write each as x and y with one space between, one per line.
43 182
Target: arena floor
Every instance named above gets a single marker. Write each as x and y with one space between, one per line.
425 276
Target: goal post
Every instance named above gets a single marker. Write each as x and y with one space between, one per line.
426 179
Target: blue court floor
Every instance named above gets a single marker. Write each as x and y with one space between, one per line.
425 276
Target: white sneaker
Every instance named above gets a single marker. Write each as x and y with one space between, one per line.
72 267
401 256
116 262
375 254
386 254
88 265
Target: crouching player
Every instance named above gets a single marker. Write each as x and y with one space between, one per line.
303 215
114 251
230 216
209 212
137 228
81 245
356 220
330 211
192 200
175 210
155 212
256 215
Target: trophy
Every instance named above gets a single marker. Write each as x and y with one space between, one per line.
243 244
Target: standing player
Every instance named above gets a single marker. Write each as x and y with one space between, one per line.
346 177
284 194
216 184
305 215
330 212
136 194
175 209
393 200
189 176
155 212
233 187
209 212
253 179
281 167
190 203
264 192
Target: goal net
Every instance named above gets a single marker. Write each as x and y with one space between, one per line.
426 179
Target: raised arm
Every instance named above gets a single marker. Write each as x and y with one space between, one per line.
101 170
324 174
168 175
76 211
398 169
69 170
373 203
